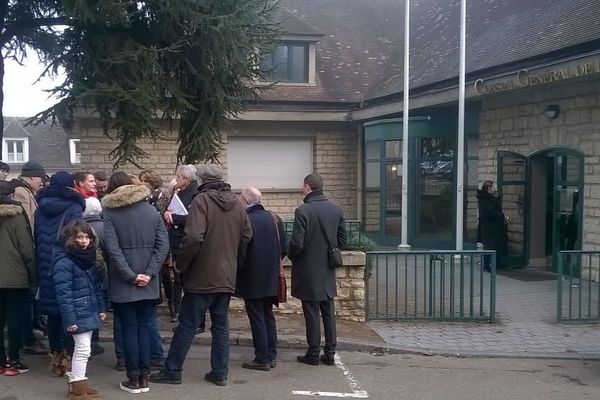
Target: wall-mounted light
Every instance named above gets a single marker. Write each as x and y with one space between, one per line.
551 111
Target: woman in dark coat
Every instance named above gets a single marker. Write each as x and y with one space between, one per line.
490 230
136 243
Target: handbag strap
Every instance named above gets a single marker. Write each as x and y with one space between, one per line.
275 220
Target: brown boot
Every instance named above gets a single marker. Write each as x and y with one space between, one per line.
92 393
78 390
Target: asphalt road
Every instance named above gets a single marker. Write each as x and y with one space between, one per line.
356 375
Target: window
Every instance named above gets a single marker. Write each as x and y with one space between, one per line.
269 163
15 150
75 151
287 62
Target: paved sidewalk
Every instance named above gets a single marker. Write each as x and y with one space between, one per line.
526 328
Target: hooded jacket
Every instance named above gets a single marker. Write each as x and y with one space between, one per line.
135 241
57 206
25 195
216 226
16 247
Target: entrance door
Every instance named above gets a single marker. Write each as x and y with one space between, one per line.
392 194
512 191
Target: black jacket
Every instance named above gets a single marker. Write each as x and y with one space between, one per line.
176 231
490 230
312 277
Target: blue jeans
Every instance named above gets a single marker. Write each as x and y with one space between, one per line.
193 310
156 349
135 318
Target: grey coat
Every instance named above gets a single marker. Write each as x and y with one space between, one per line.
136 242
312 277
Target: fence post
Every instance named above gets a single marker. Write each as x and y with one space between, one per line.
559 286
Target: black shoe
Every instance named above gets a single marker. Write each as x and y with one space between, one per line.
143 383
211 378
308 360
97 350
273 364
120 365
329 360
131 386
162 377
256 365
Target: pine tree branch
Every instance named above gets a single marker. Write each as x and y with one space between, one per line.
17 27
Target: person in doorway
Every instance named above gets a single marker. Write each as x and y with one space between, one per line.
313 279
490 229
258 278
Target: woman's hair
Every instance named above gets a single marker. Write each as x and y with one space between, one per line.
152 178
135 180
6 189
487 185
118 179
81 176
70 231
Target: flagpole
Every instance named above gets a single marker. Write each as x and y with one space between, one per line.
404 234
460 154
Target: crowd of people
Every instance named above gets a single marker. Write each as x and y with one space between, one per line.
76 246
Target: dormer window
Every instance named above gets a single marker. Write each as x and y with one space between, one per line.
15 150
287 62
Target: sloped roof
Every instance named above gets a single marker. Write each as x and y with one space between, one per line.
360 55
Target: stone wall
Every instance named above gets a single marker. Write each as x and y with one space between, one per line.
350 301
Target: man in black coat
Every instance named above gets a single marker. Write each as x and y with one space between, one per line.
313 279
490 229
258 277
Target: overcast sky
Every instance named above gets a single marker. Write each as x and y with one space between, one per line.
21 97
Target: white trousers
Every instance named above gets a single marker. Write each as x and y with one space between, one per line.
81 354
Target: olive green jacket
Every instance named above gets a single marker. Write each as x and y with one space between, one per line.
17 257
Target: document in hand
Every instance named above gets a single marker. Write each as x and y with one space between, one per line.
176 206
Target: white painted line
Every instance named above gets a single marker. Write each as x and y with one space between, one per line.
357 390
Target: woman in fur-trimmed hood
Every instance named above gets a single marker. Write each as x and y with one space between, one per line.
136 243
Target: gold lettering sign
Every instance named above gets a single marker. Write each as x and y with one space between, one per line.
525 78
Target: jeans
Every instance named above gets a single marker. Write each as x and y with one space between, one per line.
81 354
156 349
264 329
12 302
135 318
193 309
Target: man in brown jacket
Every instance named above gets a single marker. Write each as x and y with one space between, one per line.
217 229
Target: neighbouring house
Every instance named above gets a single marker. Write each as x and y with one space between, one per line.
532 120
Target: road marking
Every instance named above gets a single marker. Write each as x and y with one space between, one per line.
357 390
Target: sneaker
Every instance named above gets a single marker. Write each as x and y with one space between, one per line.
211 378
8 370
120 365
143 383
328 360
97 350
256 366
36 349
130 386
308 360
162 377
22 368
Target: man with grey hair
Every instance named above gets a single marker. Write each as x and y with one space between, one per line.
217 228
186 188
258 278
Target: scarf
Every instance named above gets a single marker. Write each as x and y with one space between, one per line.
86 194
83 258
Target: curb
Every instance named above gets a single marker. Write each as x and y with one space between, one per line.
379 348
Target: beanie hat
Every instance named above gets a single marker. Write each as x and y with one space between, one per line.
210 172
62 178
33 169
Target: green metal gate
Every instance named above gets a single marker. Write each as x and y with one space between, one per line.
578 288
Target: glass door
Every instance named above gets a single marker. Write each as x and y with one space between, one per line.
392 194
512 192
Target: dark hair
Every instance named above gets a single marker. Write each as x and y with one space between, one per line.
70 231
100 176
4 166
6 188
487 185
81 176
314 181
118 179
152 178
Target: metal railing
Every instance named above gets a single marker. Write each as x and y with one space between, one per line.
434 285
578 288
352 229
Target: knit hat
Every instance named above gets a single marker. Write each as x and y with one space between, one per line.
33 170
92 207
210 172
62 178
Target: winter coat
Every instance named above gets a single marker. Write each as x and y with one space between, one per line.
312 277
216 227
55 202
258 275
490 230
177 230
78 294
17 266
26 196
136 242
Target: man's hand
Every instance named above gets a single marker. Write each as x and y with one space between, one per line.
168 216
102 316
142 280
72 328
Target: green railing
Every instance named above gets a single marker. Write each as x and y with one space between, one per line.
352 230
434 285
578 288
